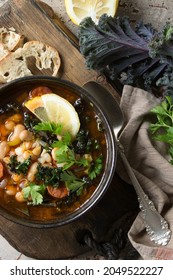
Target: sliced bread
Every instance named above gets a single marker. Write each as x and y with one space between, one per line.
46 56
15 64
3 51
10 39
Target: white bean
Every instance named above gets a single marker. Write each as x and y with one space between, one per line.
17 130
15 118
43 152
27 154
9 125
10 190
16 177
23 183
4 149
32 171
45 158
27 145
6 160
20 158
53 153
3 183
36 151
25 135
19 197
19 151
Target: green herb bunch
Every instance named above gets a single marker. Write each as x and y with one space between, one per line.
162 129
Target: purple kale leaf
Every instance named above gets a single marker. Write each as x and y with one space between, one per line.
137 56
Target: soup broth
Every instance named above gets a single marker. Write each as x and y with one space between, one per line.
35 182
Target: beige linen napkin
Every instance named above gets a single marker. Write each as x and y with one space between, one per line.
149 162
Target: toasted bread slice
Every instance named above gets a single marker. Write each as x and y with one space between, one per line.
3 51
10 39
15 64
46 56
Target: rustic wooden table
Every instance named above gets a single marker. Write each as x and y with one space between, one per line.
150 11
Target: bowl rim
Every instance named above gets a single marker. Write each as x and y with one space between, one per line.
103 184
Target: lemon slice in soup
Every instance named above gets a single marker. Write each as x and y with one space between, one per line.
53 108
36 106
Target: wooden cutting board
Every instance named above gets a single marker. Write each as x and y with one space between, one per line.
30 19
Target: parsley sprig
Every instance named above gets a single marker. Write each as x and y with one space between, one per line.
49 126
162 129
95 168
64 144
35 192
73 183
69 159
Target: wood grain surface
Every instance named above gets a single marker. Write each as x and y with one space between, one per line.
120 201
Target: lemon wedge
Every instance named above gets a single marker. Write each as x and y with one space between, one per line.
53 108
36 106
77 10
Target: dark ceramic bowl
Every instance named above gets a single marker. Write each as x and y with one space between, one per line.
12 90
